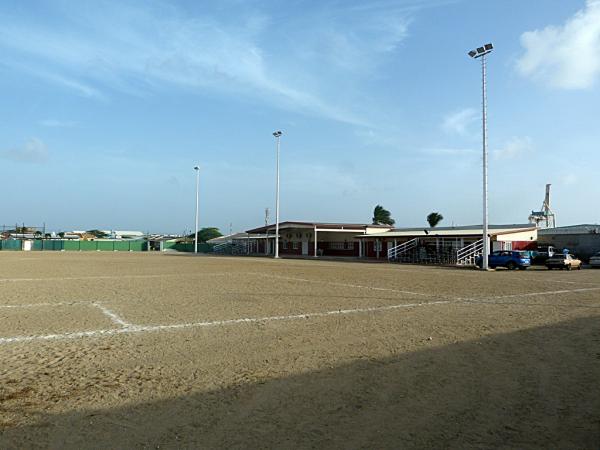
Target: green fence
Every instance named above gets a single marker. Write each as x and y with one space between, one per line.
69 245
11 244
138 245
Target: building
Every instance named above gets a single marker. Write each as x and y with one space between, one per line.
581 240
310 238
440 245
446 245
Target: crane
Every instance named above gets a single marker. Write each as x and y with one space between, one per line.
545 218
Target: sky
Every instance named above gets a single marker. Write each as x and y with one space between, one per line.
107 106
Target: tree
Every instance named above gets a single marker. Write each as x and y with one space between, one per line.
61 234
206 234
434 218
382 216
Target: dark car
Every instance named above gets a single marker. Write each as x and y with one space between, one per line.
595 261
511 259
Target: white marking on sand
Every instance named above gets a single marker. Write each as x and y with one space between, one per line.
533 294
34 305
154 328
111 277
112 315
128 328
333 283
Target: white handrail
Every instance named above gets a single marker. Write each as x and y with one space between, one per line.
468 254
402 248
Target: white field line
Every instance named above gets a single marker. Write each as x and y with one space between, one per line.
532 294
333 283
566 282
130 328
154 328
112 277
112 315
34 305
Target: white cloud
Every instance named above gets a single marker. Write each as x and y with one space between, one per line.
449 151
514 148
140 50
54 123
33 151
459 122
566 56
569 179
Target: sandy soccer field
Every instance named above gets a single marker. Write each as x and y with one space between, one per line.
103 350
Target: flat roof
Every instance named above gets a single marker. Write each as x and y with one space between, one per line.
468 230
321 225
585 228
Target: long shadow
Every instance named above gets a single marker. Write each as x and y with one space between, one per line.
536 388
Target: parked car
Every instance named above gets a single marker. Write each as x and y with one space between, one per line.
538 258
563 261
595 261
506 258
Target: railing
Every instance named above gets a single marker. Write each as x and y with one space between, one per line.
466 256
239 247
223 247
396 251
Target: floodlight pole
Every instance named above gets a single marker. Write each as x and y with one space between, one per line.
482 52
277 135
486 241
197 169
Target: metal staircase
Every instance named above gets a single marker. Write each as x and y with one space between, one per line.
224 248
466 256
237 247
394 253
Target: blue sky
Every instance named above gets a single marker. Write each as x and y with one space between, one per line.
107 106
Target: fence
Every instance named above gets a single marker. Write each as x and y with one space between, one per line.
76 245
138 245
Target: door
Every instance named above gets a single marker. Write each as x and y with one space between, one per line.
305 247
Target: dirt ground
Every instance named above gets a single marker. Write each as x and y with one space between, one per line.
129 350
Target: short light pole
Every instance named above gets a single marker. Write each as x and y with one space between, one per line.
482 52
197 169
277 135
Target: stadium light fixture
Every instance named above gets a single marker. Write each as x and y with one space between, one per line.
481 52
197 169
277 135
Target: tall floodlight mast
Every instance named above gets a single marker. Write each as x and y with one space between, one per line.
277 135
482 52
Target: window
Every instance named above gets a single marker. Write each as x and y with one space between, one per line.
285 245
336 245
295 245
377 246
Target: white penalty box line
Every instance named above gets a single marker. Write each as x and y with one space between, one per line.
128 328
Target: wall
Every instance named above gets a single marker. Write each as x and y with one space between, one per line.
531 236
581 245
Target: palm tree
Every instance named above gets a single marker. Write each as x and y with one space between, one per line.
434 218
382 216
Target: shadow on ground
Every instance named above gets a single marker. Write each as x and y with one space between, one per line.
538 388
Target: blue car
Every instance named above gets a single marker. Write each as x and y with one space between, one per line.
506 258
